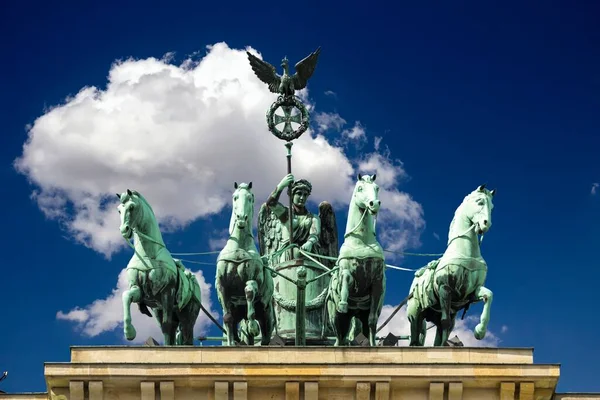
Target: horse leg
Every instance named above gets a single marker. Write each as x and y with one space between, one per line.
346 279
132 295
221 284
251 291
486 295
416 320
168 324
266 324
342 326
377 293
445 298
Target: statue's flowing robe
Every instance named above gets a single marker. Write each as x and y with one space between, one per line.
303 226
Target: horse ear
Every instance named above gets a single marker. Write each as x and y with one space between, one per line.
493 192
119 196
373 178
480 188
129 192
359 176
250 185
235 185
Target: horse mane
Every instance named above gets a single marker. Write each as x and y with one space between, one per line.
143 200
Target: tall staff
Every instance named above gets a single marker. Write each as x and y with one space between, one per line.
285 85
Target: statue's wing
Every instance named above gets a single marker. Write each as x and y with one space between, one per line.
305 69
329 234
265 72
269 231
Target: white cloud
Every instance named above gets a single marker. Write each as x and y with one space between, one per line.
326 121
105 315
435 235
357 132
399 325
330 93
595 187
181 135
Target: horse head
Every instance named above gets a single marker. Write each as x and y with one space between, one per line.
477 208
130 211
366 194
243 207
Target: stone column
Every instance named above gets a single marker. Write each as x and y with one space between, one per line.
96 389
507 391
436 391
221 390
167 391
240 390
363 391
455 391
311 390
292 391
526 390
382 391
147 390
75 390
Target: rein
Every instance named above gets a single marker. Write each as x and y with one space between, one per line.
143 235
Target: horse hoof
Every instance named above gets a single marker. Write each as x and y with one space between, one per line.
342 307
130 332
479 332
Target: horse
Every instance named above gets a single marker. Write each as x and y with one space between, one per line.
244 287
156 279
357 287
446 285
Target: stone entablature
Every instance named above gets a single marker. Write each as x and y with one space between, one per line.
311 373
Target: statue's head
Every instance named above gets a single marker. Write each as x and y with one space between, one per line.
477 207
128 207
285 63
301 189
366 193
243 206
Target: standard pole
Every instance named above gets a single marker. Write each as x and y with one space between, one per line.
289 145
301 307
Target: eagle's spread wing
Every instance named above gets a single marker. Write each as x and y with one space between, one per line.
329 235
265 72
269 231
305 69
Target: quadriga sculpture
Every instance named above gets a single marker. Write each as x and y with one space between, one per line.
244 287
445 286
357 288
156 280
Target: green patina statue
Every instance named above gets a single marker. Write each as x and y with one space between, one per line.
457 278
312 236
286 85
357 288
244 287
156 280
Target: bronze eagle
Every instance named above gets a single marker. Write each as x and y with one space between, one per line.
285 84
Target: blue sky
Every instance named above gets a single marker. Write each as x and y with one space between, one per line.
456 95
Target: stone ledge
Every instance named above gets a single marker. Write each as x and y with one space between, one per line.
412 375
304 355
